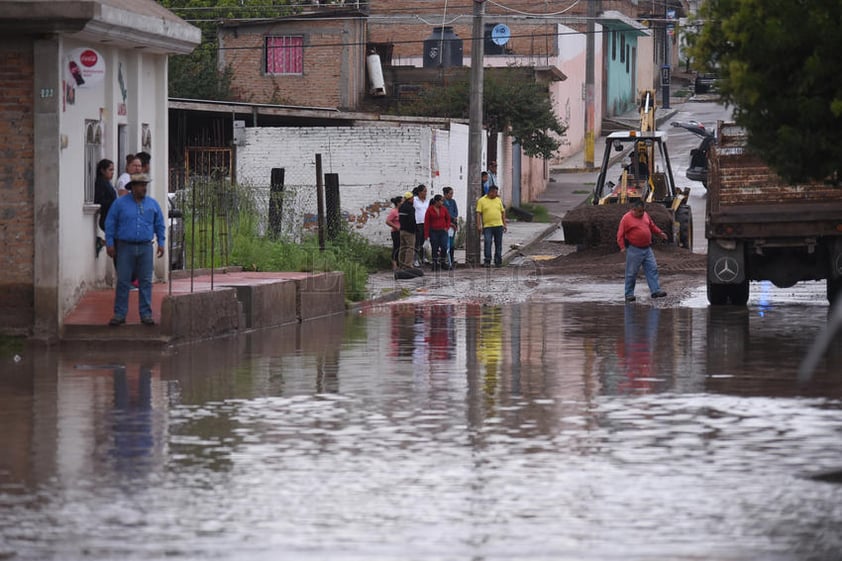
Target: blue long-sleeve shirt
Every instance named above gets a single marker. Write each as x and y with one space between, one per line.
450 205
133 221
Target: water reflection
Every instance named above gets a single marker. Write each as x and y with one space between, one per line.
132 425
530 431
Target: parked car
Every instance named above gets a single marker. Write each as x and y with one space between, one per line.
175 237
705 83
698 170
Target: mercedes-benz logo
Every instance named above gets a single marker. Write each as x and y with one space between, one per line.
839 264
726 269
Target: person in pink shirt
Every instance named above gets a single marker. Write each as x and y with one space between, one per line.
394 223
436 223
634 236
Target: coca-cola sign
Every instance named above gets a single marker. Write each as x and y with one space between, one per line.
84 68
88 58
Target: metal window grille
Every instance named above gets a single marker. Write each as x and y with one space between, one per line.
93 149
285 55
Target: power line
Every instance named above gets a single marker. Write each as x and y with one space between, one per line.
412 41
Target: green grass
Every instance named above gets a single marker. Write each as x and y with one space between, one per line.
539 212
350 253
238 240
11 346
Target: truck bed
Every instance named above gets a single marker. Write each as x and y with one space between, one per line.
742 188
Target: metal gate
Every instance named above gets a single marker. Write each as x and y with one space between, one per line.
209 202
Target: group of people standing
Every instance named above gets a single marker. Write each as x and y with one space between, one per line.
131 222
415 218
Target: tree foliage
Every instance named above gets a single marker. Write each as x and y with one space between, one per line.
198 75
516 106
779 63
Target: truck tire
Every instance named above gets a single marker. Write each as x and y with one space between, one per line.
717 294
724 294
684 218
833 289
738 294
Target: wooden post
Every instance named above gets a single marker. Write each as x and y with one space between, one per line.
320 200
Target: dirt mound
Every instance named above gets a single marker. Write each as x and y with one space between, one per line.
595 226
609 262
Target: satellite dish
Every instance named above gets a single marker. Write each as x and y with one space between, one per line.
500 34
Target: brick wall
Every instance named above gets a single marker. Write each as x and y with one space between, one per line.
408 37
428 7
333 63
16 195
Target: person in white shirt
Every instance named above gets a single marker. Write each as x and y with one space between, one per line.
133 166
420 203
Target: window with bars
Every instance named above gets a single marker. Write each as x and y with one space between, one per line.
285 55
93 149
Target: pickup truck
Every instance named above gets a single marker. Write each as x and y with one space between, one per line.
759 227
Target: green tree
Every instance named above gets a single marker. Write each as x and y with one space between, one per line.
513 104
198 75
779 63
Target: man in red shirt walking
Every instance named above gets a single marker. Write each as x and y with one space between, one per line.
634 236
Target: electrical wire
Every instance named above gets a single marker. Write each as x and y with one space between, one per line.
545 14
411 41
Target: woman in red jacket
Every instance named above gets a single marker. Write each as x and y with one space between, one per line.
436 223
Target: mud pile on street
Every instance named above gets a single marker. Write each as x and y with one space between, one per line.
595 226
608 262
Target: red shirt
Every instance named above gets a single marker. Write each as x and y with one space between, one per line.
638 231
437 218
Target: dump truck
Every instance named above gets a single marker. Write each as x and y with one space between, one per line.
760 227
646 175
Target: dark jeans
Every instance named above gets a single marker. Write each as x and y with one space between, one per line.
438 241
134 259
419 242
493 233
396 244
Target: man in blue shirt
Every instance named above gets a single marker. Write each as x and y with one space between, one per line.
132 223
453 210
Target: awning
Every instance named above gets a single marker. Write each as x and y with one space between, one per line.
617 21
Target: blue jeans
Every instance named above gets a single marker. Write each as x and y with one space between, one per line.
493 233
438 241
635 258
134 259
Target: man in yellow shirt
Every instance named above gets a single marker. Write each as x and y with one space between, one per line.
491 221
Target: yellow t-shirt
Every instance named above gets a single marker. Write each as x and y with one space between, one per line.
491 211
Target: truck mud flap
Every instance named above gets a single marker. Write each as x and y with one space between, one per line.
726 262
836 259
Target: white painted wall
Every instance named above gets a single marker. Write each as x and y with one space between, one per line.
145 79
374 163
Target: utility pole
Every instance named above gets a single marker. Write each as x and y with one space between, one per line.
475 135
590 110
666 69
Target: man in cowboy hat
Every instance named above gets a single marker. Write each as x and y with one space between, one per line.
132 223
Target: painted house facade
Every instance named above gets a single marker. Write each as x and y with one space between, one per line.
84 80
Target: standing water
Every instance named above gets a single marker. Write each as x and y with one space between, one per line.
435 432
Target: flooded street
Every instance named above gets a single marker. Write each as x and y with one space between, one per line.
554 428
